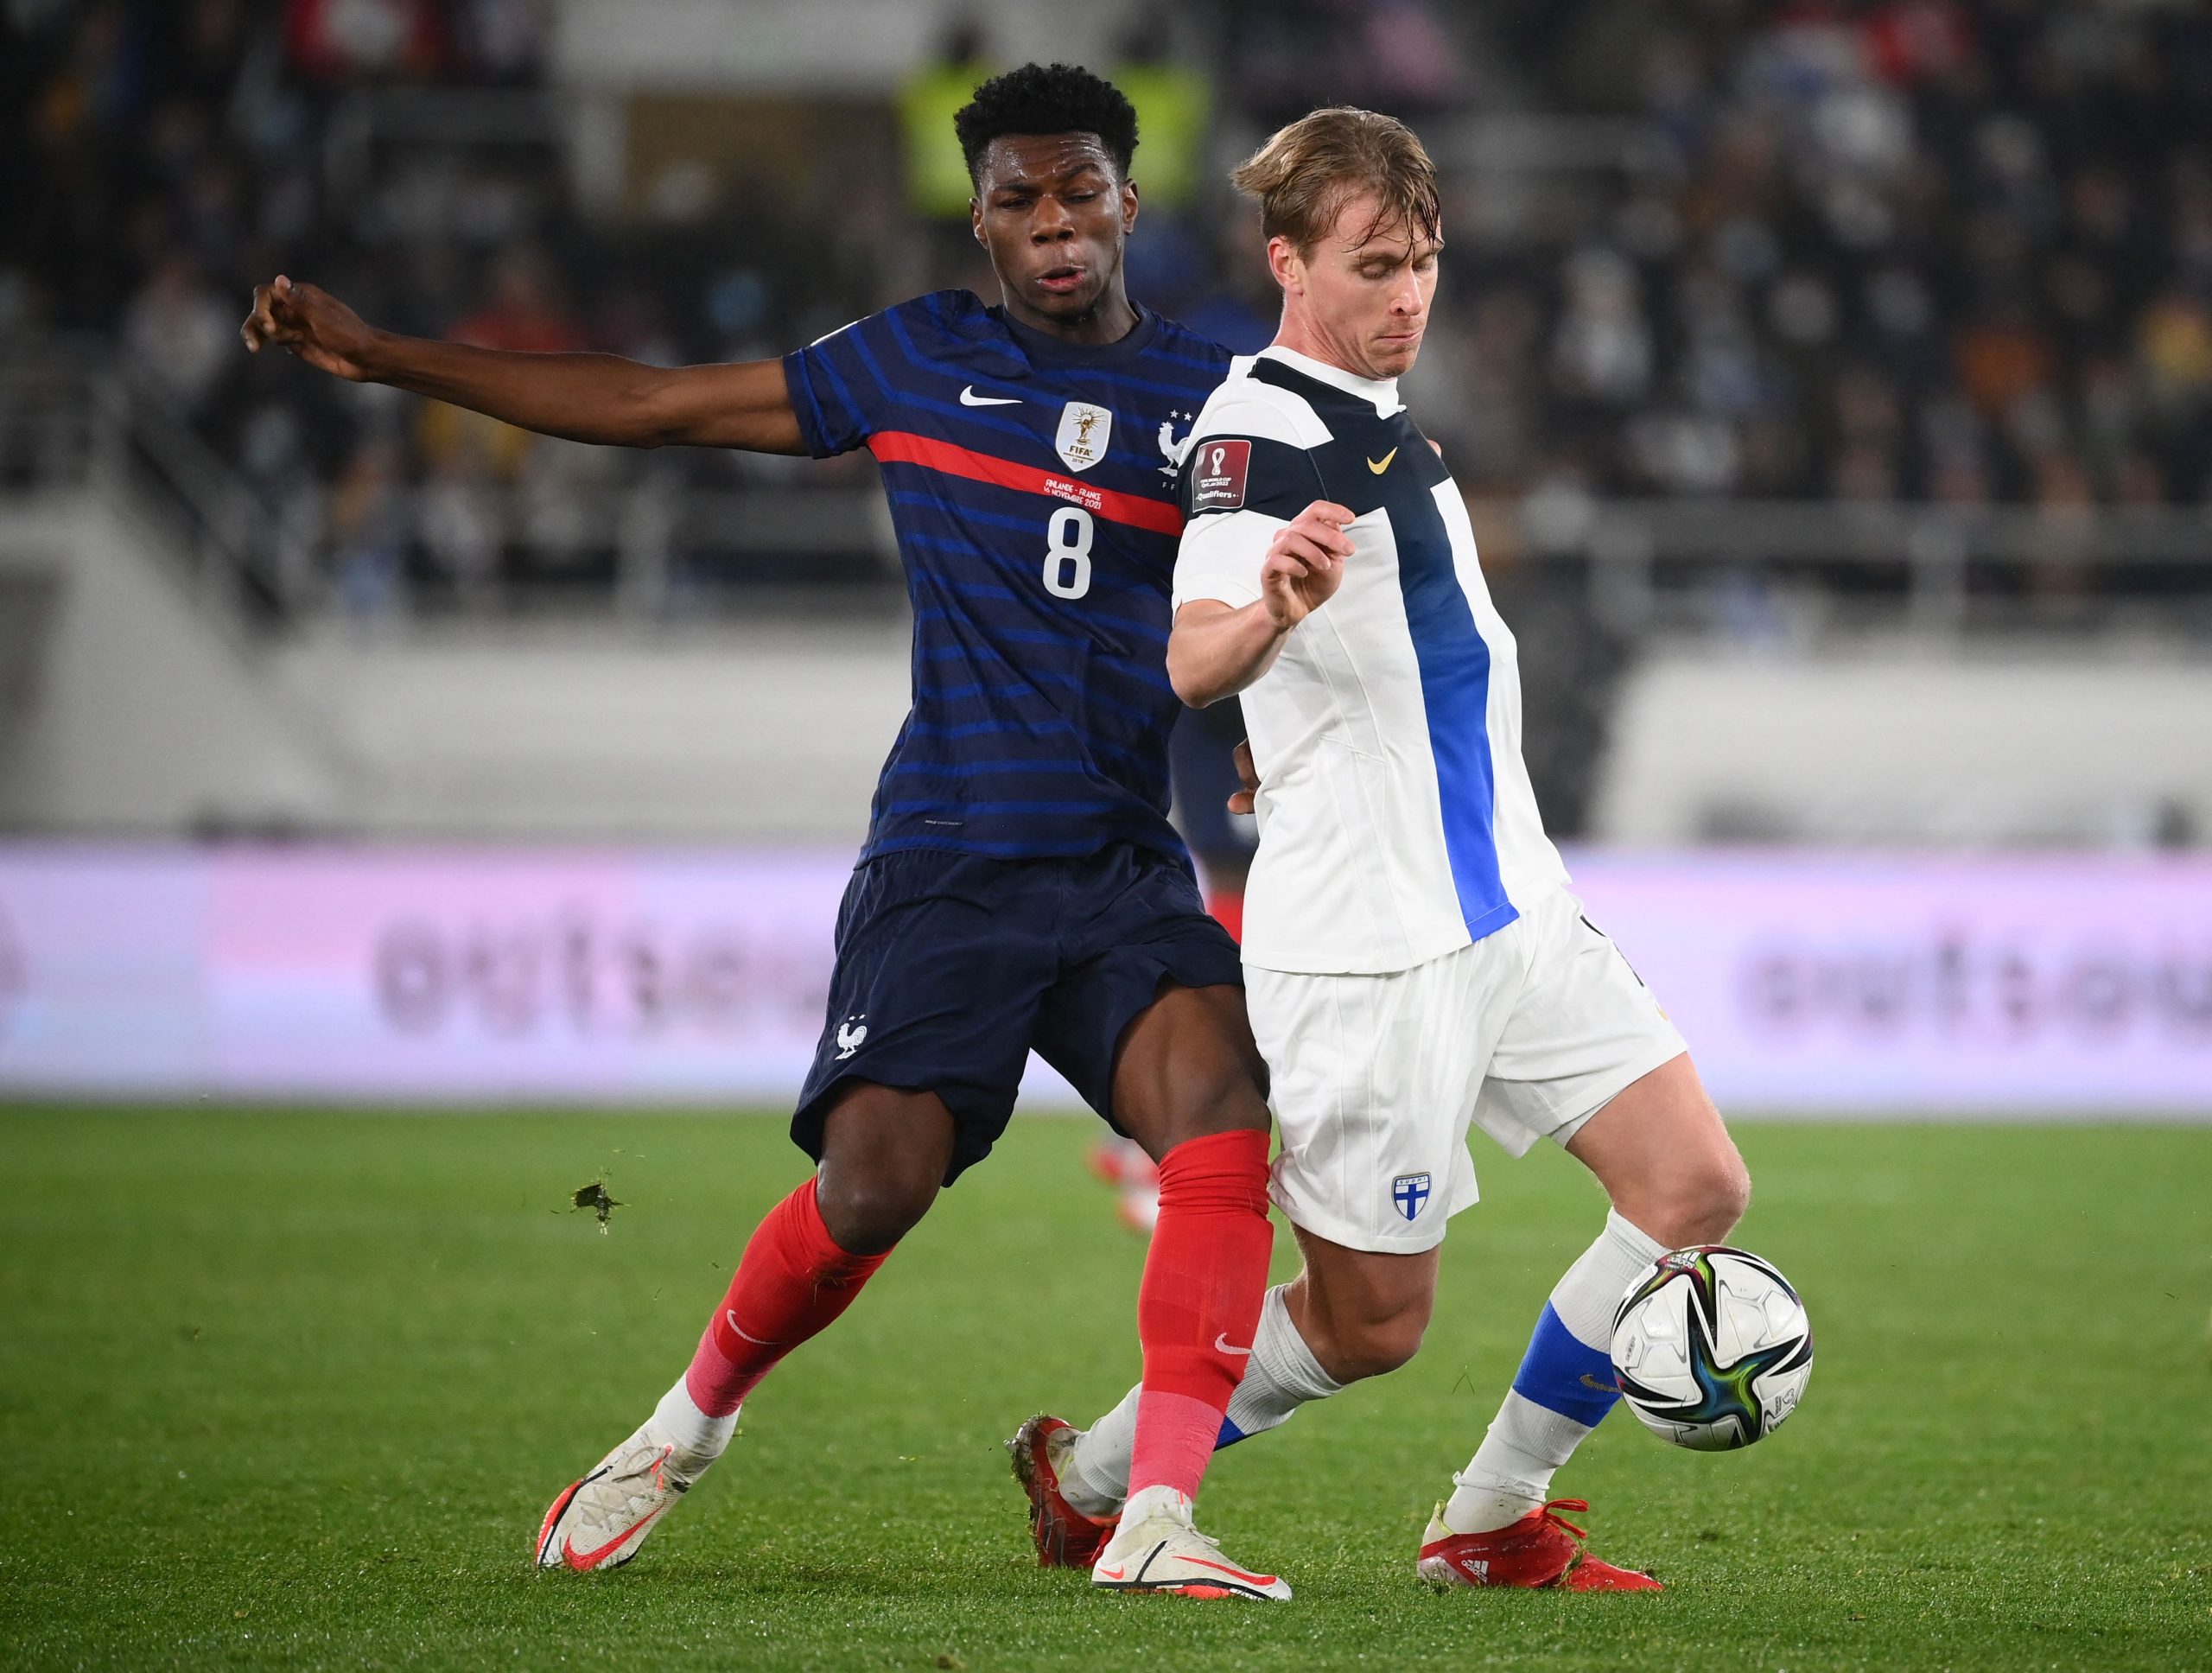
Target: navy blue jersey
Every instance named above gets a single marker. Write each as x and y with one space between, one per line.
1032 484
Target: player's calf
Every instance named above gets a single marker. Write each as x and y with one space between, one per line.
1280 1376
1561 1392
1200 1303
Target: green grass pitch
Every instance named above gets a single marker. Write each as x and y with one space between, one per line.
292 1390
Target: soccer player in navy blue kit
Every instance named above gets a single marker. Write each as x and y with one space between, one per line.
1020 885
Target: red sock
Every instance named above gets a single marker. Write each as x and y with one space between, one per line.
792 1283
1200 1304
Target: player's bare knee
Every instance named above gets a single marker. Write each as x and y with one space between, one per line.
1359 1334
1189 1069
1200 1102
1705 1201
867 1212
1376 1347
884 1153
1230 1102
1385 1347
1731 1196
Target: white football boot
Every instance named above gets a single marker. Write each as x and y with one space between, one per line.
1157 1549
601 1521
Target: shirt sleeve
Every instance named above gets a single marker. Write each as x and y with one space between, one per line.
837 387
1245 475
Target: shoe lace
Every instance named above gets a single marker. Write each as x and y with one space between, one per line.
637 1487
1551 1510
1205 1539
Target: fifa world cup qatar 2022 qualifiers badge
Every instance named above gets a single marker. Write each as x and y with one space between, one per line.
1083 430
1218 480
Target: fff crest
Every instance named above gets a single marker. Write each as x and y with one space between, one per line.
1083 430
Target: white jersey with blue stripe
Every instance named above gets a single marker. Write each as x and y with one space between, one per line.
1397 818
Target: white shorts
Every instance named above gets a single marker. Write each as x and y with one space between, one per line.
1375 1078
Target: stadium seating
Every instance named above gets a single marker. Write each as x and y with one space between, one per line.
1770 327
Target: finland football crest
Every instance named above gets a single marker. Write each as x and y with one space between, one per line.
1410 1192
1083 430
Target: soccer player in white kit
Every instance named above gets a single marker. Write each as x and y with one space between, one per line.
1415 961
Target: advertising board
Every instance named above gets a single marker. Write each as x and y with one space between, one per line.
1805 982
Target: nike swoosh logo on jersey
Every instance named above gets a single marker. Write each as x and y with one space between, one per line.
1221 1345
1385 465
970 398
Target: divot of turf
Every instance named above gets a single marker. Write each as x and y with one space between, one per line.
595 1197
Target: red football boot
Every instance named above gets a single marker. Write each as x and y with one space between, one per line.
1065 1537
1542 1549
1122 1163
1134 1176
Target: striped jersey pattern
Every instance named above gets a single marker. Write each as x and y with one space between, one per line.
1032 489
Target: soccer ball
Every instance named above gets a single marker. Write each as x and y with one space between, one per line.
1712 1347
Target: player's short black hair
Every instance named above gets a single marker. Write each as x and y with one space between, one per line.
1047 98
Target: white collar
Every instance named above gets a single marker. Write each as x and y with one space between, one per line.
1383 396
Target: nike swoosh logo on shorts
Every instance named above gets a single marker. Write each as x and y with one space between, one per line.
1221 1345
970 398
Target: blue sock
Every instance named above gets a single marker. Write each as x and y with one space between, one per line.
1566 1375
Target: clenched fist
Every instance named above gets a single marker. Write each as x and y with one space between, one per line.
313 325
1304 563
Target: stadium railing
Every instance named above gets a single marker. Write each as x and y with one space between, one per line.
1761 567
69 421
655 547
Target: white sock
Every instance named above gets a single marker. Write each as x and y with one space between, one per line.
1154 1501
1512 1470
1096 1475
1561 1383
1282 1377
699 1439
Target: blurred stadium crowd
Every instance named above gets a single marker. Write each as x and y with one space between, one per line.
1948 250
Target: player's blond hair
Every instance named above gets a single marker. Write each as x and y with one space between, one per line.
1305 174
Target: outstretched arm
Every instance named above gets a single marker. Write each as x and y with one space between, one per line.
584 398
1217 649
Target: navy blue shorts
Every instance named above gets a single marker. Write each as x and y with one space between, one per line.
952 967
